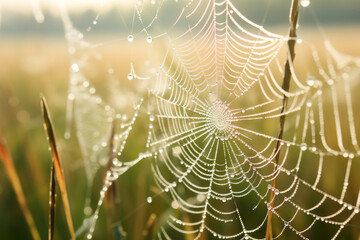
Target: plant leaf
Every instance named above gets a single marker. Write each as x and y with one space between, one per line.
57 164
15 182
52 203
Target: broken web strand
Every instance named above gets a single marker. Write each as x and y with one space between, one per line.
75 43
117 167
92 115
345 64
80 90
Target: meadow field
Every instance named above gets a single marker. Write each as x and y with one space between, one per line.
33 65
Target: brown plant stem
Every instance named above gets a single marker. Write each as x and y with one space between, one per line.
15 182
111 193
52 203
56 163
293 18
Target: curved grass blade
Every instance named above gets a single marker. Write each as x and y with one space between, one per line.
293 19
57 164
15 182
52 203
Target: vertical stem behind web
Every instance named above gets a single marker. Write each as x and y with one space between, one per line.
294 18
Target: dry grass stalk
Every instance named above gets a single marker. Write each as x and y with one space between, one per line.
294 18
111 193
15 182
150 228
57 164
52 203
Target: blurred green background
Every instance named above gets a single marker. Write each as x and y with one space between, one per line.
34 59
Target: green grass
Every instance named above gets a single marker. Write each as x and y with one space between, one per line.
33 66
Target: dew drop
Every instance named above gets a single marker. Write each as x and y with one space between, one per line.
130 76
86 84
310 82
149 199
88 211
277 191
345 75
115 161
303 146
75 67
71 96
130 38
67 135
92 90
149 39
151 118
174 205
305 3
176 151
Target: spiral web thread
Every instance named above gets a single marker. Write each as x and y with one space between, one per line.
215 104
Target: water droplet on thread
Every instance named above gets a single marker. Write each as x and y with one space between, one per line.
130 38
305 3
149 199
75 67
310 82
149 39
303 146
176 151
130 76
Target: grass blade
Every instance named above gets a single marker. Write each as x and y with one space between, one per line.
52 203
15 182
150 228
293 19
57 165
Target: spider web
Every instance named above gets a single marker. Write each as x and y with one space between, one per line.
214 104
